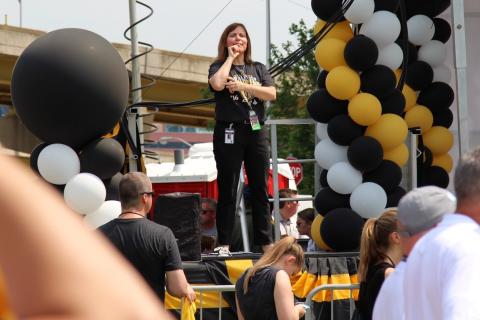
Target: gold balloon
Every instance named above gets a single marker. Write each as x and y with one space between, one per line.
438 139
340 31
444 161
410 97
315 232
365 109
342 82
329 53
398 154
419 116
390 130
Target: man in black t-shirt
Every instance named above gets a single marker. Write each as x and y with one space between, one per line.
150 247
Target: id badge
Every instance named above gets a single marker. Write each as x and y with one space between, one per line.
229 135
254 121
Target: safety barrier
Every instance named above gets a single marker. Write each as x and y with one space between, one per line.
212 288
309 315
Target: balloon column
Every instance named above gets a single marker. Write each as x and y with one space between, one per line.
69 88
363 118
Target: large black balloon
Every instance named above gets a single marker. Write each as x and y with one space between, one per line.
365 153
443 31
379 80
435 176
436 96
323 178
326 9
34 155
360 53
394 103
70 86
343 130
443 118
388 175
387 5
327 200
394 196
322 106
430 8
112 185
341 230
419 75
322 76
103 157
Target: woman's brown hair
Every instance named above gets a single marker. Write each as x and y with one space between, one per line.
285 246
222 44
375 241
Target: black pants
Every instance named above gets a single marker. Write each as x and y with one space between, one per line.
251 147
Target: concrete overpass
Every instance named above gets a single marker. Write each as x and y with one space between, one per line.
183 81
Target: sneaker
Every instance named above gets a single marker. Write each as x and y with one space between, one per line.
222 252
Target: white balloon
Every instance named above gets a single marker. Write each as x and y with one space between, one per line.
360 11
383 28
343 178
58 163
368 200
442 73
390 56
321 129
84 193
433 52
327 153
108 211
420 29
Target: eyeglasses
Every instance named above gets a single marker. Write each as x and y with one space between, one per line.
150 193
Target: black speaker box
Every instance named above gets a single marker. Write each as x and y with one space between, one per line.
180 212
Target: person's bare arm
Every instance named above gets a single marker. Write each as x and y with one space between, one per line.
283 296
54 267
264 93
178 286
219 79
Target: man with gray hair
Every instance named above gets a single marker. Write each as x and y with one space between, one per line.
150 247
418 211
442 275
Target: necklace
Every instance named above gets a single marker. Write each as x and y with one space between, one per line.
133 212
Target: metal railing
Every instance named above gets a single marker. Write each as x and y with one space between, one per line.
309 315
212 288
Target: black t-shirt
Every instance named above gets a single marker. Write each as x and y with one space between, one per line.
370 287
233 107
150 247
259 302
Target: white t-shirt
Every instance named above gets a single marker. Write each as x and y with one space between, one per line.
389 303
442 276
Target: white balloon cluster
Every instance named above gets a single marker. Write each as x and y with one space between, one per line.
84 192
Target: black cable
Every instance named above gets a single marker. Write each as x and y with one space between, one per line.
403 24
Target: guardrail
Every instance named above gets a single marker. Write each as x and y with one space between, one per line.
212 288
309 315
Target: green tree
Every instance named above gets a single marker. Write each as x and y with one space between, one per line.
294 86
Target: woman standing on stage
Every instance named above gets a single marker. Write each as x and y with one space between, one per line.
240 86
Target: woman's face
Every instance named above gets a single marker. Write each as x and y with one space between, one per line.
238 38
303 227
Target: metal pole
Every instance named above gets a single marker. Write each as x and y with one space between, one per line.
458 25
133 122
267 36
413 160
276 201
20 4
240 205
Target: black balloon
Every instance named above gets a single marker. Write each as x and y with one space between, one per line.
379 80
111 185
360 53
103 157
393 103
70 86
435 176
343 130
326 9
322 106
365 153
394 196
436 96
443 118
419 75
341 230
327 200
387 5
322 76
323 178
443 31
427 157
34 155
430 8
388 175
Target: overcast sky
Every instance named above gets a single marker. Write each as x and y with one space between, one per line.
174 23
